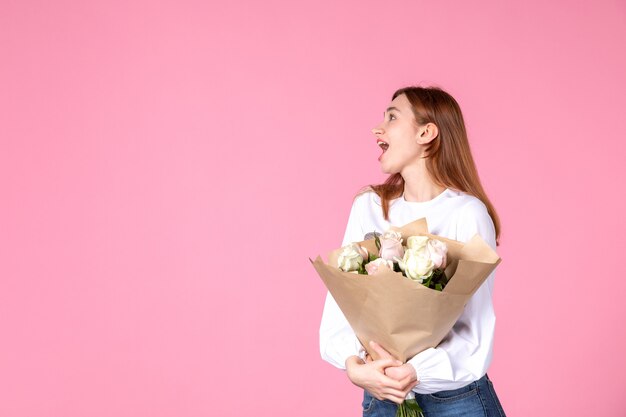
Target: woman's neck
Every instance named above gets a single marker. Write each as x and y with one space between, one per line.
418 186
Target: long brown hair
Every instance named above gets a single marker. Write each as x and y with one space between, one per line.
448 157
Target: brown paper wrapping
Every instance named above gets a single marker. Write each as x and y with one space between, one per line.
402 315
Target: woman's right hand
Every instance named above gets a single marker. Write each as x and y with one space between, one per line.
371 377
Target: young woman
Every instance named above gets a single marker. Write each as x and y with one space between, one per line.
432 174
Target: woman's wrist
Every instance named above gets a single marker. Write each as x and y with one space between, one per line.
352 362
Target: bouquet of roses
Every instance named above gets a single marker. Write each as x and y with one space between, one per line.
405 316
422 260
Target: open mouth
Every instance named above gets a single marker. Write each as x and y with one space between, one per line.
384 146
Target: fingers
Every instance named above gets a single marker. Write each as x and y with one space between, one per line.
387 387
380 350
409 378
403 374
396 399
399 395
391 384
409 388
391 393
393 390
381 364
407 382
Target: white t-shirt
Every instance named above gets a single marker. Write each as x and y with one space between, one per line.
464 355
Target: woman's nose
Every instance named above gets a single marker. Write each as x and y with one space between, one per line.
377 130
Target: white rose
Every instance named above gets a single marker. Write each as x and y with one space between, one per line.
417 264
417 242
351 257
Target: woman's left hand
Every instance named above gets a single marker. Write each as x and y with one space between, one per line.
404 373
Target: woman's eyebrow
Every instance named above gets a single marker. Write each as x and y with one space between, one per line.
392 108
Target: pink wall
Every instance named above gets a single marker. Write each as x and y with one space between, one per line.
143 143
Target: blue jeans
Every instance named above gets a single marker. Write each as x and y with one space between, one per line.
477 399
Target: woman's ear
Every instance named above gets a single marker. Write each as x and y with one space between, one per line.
426 133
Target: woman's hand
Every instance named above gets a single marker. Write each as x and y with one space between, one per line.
371 375
405 374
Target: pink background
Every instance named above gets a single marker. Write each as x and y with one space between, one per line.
143 143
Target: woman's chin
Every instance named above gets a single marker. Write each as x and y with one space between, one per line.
387 166
385 169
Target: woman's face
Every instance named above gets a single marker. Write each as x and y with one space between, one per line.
400 132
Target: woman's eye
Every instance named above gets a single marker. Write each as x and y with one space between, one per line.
391 115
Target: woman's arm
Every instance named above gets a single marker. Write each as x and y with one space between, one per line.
370 375
337 339
340 346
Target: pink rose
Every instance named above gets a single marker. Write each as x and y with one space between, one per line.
391 245
373 267
364 253
438 253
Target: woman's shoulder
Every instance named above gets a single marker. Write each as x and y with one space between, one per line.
474 218
459 202
365 197
471 204
470 208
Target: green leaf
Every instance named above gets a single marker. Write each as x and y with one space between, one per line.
409 408
427 282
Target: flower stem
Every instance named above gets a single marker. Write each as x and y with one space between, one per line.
409 408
